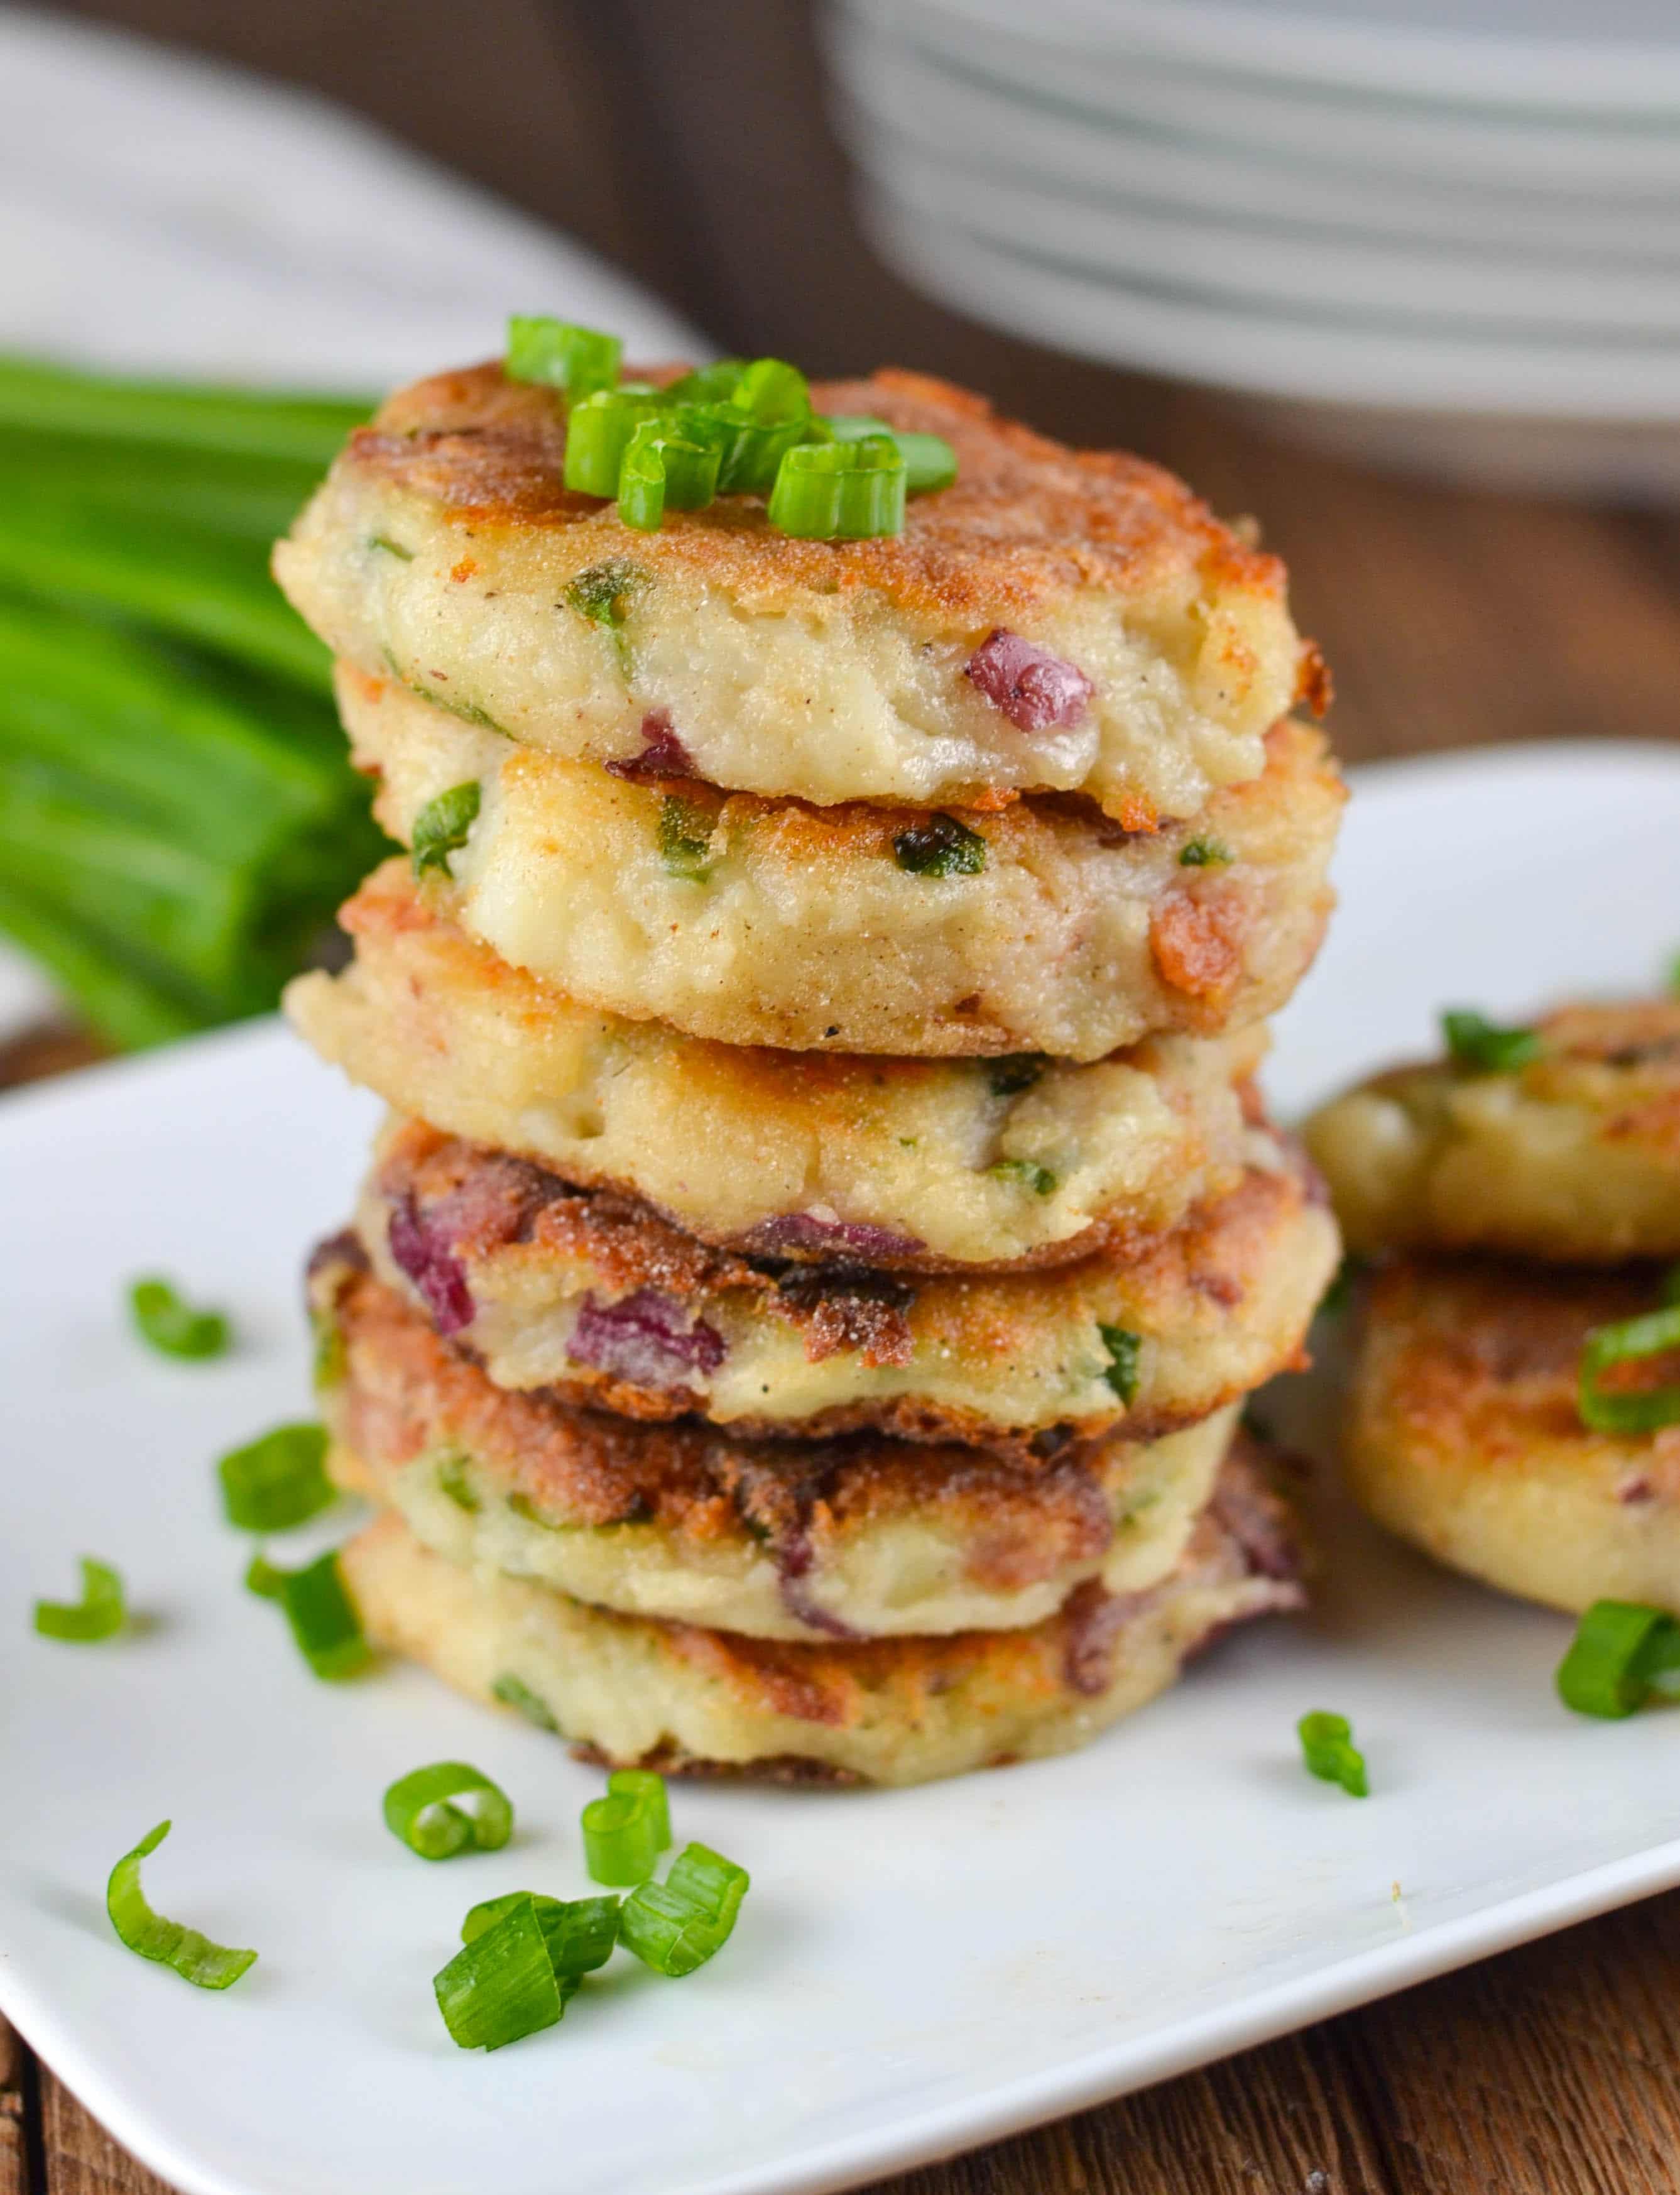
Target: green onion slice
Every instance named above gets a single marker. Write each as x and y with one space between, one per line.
193 1957
1483 1047
502 1984
561 356
1123 1350
684 838
1606 1411
708 384
598 432
1008 1076
1028 1172
662 465
455 1481
420 1808
320 1610
580 1931
172 1326
840 491
1204 854
1621 1652
514 1693
625 1832
99 1613
441 827
929 461
1328 1750
277 1481
940 847
677 1925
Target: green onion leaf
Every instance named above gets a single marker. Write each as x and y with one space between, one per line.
840 491
580 1931
708 384
1009 1076
677 1925
278 1481
98 1614
384 541
502 1985
559 355
684 838
940 847
455 1480
663 466
929 461
1328 1750
419 1808
1123 1350
1629 1411
625 1832
194 1957
514 1693
1204 854
1028 1172
320 1612
441 827
598 432
771 392
1618 1648
1483 1047
603 593
171 1325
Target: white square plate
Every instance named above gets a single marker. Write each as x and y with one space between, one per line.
913 1971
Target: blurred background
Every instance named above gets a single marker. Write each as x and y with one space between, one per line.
1401 277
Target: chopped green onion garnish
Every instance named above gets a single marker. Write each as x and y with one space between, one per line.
502 1985
708 384
98 1614
1328 1750
1031 1175
171 1325
940 847
441 827
1204 854
1674 974
320 1612
580 360
1124 1349
514 1693
384 541
840 491
420 1809
677 1925
278 1481
1623 1411
598 433
684 836
771 392
580 1931
454 1479
663 466
194 1957
1619 1651
625 1832
1485 1048
929 461
1008 1077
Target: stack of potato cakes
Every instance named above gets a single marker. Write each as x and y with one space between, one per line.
799 1312
1513 1408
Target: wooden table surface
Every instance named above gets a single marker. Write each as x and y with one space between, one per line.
1449 618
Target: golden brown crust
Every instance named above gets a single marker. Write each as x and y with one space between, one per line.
1027 520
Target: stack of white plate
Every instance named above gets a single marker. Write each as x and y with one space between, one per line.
1446 231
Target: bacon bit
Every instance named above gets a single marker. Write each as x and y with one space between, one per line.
1092 1619
1193 944
464 570
663 753
807 1230
1034 689
645 1339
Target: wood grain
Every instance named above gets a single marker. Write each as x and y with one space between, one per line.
13 2162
